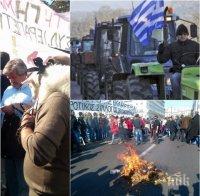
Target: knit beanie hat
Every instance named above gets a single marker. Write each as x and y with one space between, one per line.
182 29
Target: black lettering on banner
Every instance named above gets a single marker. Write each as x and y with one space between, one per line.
1 22
79 105
92 107
45 40
26 31
39 36
54 40
8 20
60 40
58 23
32 32
37 13
109 108
114 109
21 11
98 107
101 107
17 28
75 105
48 19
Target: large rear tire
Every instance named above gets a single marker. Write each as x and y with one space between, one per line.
119 90
91 86
138 88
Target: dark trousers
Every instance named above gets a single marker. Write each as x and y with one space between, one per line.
15 181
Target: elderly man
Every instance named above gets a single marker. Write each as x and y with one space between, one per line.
14 99
175 51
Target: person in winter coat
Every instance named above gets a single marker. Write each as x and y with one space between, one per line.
82 126
95 126
138 130
193 128
173 128
45 132
184 123
114 127
175 51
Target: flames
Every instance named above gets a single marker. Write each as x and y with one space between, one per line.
138 170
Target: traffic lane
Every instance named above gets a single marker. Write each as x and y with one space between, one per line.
93 177
100 153
90 170
178 158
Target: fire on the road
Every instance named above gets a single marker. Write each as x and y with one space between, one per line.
137 170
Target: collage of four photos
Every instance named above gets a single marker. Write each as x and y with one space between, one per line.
100 97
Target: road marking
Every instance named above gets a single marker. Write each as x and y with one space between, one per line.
148 149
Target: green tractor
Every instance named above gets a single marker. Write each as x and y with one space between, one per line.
124 69
141 68
190 80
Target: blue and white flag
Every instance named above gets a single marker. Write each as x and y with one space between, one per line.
149 15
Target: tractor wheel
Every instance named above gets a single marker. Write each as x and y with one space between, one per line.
82 82
73 73
138 88
91 86
108 81
119 90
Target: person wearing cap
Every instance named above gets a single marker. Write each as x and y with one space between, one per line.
175 52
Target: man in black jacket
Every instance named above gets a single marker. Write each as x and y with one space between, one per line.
175 51
193 128
173 128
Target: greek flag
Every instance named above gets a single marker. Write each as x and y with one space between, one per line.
149 15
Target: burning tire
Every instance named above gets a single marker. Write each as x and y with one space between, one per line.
119 90
91 85
138 88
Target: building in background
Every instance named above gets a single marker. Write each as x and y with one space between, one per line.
148 109
195 107
172 111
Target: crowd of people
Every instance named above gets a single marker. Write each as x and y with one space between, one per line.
34 127
88 127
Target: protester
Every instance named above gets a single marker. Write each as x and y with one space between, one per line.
175 51
4 80
173 128
138 130
155 125
193 129
82 126
44 133
15 98
95 126
114 128
89 127
184 123
75 133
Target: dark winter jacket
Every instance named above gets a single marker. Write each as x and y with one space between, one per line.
193 129
173 126
10 146
174 51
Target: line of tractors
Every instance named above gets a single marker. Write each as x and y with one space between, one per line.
110 61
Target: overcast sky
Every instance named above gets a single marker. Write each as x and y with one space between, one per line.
93 5
178 103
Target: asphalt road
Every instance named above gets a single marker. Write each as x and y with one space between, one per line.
90 170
